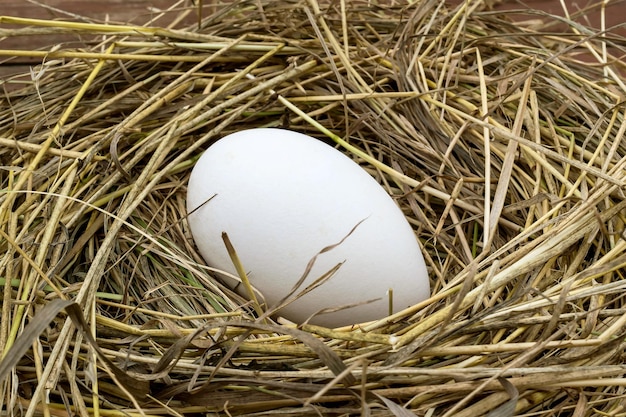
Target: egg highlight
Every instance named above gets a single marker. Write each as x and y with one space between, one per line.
283 197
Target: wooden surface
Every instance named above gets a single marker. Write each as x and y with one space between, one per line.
135 12
120 11
140 12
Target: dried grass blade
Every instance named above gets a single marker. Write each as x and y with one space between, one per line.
323 352
508 408
42 320
42 253
53 136
291 295
241 271
560 240
396 409
103 56
487 152
507 166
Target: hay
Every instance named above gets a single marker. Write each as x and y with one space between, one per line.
502 146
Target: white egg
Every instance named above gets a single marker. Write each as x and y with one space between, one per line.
282 197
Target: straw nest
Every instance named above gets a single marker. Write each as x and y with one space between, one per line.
503 148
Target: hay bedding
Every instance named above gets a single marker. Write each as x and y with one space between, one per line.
447 107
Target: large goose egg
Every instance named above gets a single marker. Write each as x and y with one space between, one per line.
282 197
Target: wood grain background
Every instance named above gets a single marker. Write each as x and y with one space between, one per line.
135 12
140 12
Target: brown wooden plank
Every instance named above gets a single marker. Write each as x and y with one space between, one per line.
140 12
136 12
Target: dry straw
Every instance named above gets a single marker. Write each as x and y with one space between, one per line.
501 144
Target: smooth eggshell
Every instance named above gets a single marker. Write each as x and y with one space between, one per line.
282 197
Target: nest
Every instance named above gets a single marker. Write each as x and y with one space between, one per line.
501 144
